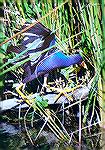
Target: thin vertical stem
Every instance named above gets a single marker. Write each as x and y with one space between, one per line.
80 125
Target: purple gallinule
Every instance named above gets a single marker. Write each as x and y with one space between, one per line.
48 61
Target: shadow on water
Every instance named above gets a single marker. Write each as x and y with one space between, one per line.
9 137
15 138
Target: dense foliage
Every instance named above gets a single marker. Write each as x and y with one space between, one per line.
78 27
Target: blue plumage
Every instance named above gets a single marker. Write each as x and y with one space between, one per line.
56 60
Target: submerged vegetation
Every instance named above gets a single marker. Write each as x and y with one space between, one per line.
77 121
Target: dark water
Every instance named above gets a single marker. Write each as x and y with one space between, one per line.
13 138
10 139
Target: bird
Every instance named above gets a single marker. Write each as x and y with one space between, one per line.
51 62
48 61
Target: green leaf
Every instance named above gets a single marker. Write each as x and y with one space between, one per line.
41 102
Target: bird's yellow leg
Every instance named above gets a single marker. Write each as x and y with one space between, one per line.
65 94
68 90
44 86
18 89
24 97
64 91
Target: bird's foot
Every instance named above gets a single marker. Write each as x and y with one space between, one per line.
64 92
23 96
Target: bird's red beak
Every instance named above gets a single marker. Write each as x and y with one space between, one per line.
83 64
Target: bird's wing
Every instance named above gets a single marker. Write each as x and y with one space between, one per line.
38 37
40 34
